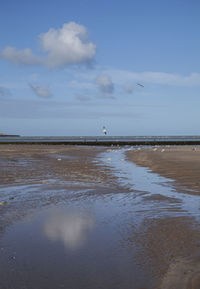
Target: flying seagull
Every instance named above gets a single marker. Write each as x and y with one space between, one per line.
140 84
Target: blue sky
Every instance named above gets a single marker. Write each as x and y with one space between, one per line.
72 67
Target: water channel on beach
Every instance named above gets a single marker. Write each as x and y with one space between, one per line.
87 240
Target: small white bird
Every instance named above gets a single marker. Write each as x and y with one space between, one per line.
104 130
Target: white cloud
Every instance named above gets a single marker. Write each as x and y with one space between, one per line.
163 78
105 84
128 88
41 91
25 56
65 46
121 77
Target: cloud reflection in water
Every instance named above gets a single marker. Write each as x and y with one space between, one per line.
71 227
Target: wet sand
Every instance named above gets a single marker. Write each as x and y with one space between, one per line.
85 217
172 242
180 163
49 173
23 164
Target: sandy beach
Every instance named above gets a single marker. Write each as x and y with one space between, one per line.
105 211
174 236
180 163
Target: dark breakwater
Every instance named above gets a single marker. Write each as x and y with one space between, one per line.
104 140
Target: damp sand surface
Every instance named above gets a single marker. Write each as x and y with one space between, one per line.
88 217
180 163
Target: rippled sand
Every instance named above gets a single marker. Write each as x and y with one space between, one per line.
88 217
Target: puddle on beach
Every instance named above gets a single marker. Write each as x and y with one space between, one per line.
79 243
67 247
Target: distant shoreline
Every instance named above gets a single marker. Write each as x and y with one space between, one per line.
9 135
